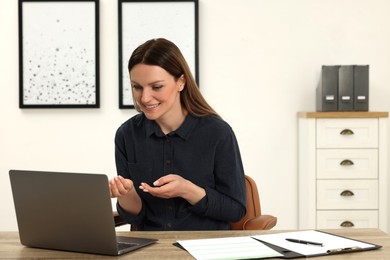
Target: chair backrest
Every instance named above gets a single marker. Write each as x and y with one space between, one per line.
253 208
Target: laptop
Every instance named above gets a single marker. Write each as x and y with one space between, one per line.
68 211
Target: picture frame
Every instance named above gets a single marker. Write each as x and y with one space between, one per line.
139 21
59 54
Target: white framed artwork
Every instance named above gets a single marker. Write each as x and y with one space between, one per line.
59 54
140 21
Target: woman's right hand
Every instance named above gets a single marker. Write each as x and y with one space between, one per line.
120 186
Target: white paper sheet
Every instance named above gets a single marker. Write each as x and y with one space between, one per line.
227 248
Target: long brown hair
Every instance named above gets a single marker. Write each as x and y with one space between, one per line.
165 54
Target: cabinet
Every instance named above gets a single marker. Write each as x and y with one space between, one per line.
342 168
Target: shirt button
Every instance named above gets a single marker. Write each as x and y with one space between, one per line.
169 225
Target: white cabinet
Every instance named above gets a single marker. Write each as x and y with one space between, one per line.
342 169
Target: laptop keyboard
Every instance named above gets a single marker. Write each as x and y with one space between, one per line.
122 245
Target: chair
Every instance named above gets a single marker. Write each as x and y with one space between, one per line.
253 219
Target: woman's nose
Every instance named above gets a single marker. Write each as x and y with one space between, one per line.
146 95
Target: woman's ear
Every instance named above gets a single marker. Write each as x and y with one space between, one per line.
182 82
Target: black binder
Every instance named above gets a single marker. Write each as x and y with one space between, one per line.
327 90
289 254
361 83
345 89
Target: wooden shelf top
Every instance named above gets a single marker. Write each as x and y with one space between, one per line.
343 114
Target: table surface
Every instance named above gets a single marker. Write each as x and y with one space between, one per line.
10 247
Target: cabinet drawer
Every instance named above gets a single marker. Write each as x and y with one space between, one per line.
347 133
347 194
347 163
347 219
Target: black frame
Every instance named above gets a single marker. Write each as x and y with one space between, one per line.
123 59
58 72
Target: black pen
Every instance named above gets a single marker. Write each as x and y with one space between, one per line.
303 242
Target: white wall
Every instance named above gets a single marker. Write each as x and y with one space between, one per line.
259 65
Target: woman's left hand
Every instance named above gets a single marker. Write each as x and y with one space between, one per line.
172 186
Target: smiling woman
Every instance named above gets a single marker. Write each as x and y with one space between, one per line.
178 162
157 94
166 55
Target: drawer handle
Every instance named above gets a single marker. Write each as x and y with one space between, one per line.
347 223
347 132
346 162
347 193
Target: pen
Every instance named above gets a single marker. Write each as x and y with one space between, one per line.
303 242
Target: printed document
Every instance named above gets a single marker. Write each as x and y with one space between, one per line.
228 248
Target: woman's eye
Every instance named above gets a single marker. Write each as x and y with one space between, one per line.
156 87
136 87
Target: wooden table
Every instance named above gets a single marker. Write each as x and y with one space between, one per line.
10 247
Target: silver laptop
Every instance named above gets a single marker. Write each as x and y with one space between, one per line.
68 211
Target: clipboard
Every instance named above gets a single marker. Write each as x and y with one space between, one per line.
331 244
278 243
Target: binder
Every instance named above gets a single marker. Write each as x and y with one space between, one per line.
345 88
275 245
361 83
327 90
331 244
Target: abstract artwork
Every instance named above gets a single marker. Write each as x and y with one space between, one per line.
59 54
140 21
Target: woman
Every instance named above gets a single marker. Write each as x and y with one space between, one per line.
178 163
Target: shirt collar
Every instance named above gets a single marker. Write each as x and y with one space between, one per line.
183 131
186 128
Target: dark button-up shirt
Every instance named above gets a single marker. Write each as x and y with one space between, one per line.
203 150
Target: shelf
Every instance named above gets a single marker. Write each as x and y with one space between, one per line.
343 114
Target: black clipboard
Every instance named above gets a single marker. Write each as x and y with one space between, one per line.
290 254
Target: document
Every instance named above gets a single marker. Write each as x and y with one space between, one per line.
318 243
228 248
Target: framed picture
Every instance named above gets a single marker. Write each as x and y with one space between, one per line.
59 54
140 21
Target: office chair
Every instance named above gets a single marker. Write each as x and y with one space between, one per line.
253 219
